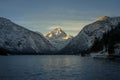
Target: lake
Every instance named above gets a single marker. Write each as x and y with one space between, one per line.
58 67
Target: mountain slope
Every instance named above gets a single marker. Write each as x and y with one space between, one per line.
58 38
110 42
16 39
90 33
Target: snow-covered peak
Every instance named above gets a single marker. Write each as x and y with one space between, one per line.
4 20
67 37
113 20
59 32
56 33
58 38
98 28
102 18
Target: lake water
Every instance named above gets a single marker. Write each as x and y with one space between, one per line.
58 67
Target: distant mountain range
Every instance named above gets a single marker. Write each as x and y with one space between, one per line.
101 36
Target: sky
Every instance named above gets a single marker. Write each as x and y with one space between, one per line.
45 15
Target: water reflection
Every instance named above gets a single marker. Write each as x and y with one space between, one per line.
57 68
60 62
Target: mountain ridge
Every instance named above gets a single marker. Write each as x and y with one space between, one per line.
87 36
15 39
58 38
19 40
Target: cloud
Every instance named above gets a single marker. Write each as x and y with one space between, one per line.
66 28
70 25
44 26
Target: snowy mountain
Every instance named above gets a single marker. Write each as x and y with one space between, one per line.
15 39
58 38
87 37
109 44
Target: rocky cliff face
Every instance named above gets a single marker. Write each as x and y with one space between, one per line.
15 39
109 44
90 33
58 38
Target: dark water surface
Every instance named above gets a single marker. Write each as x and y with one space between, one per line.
58 68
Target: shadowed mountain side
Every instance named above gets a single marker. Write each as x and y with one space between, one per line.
91 33
16 39
109 43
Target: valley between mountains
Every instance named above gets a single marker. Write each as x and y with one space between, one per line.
100 37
